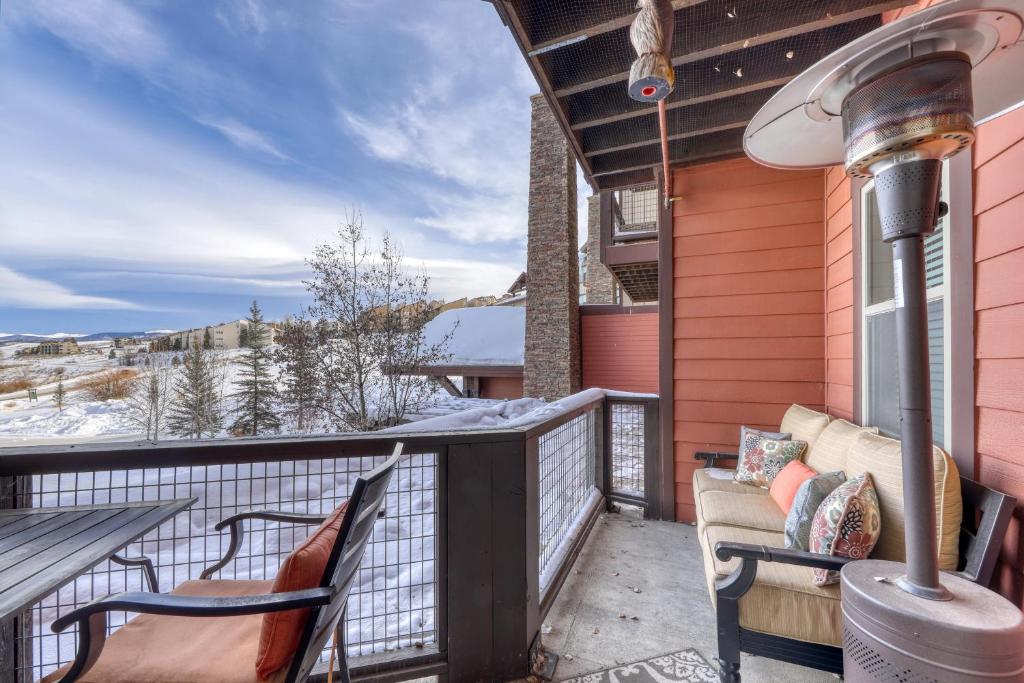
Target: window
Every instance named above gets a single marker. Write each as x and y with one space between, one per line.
879 379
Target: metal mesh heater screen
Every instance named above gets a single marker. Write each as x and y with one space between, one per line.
926 103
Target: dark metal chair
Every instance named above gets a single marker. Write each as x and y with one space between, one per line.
326 603
986 518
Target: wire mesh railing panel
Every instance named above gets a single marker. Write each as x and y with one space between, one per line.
627 448
635 209
392 604
568 462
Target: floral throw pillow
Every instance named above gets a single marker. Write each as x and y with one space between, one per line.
761 458
846 524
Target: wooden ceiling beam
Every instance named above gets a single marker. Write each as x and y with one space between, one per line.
686 102
745 42
678 136
597 29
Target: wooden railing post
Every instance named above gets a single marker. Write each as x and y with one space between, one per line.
652 461
15 630
492 560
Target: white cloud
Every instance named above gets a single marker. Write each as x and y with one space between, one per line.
246 16
463 120
22 291
104 29
244 136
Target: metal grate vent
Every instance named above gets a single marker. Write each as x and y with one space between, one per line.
871 662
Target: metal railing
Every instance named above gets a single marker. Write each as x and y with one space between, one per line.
635 213
466 516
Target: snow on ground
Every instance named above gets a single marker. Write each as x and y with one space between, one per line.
486 335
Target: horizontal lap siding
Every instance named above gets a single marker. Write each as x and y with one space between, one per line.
620 351
839 294
999 328
749 327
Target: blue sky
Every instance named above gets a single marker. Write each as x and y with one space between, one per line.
164 162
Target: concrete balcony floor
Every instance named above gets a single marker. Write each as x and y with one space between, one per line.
662 560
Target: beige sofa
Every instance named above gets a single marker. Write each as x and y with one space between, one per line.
780 609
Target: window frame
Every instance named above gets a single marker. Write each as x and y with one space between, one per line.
960 409
933 294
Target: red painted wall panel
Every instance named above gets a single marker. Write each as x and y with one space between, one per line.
999 328
749 326
620 351
501 387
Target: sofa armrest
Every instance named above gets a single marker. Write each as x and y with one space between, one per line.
726 550
712 457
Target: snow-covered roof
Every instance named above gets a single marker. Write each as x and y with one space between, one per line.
483 336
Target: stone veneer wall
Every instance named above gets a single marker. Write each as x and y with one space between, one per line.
600 285
552 368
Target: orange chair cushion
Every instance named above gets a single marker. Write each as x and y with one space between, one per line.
788 481
302 569
156 648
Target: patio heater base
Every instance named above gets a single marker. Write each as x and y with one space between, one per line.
891 635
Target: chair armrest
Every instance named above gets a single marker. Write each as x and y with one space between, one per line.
711 457
726 550
92 618
141 561
235 523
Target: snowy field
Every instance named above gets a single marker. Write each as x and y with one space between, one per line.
394 601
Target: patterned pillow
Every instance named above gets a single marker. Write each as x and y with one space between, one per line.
797 533
761 458
744 430
846 525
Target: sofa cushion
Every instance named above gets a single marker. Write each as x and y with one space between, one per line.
169 649
805 504
829 452
719 479
751 512
804 424
783 600
785 486
761 459
846 524
881 456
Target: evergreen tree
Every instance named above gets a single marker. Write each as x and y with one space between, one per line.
194 412
256 388
112 355
177 344
59 395
207 342
297 358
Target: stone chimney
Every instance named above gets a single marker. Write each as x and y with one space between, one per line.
552 368
600 285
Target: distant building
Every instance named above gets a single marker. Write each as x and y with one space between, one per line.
57 347
516 294
223 336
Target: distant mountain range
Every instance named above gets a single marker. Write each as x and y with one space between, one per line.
96 336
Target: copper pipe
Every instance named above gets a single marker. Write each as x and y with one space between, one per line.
663 125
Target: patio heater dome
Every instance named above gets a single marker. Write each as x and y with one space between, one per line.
892 105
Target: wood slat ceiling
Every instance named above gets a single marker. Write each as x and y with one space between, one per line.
730 57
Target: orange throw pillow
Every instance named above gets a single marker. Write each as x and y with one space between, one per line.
787 482
303 568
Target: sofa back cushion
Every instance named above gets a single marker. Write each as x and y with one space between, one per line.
828 453
804 424
880 456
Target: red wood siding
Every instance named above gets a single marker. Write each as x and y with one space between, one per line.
999 328
749 324
839 293
501 387
620 351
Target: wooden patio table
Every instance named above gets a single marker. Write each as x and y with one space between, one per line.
41 549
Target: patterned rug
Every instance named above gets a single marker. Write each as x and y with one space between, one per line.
688 666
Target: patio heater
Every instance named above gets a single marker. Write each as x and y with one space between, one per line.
892 105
